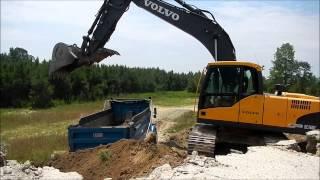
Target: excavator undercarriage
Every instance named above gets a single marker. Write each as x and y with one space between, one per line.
202 139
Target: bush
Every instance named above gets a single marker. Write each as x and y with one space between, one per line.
105 155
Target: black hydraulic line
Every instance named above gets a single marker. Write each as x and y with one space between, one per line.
110 14
96 20
190 8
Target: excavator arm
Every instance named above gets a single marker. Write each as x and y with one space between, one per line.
189 19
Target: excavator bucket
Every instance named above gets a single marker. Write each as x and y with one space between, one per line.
66 58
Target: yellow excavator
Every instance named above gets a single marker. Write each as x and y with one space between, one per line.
231 94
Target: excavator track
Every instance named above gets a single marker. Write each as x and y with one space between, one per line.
202 139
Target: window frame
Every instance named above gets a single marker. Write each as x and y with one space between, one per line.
203 92
255 81
257 75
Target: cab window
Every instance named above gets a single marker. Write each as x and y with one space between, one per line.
221 87
249 82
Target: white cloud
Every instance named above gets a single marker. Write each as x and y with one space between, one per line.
257 32
145 40
73 13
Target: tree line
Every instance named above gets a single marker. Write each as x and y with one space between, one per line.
25 82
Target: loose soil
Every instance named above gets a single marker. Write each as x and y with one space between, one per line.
126 159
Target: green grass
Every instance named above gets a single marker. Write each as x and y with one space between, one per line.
166 98
14 118
35 134
36 149
184 122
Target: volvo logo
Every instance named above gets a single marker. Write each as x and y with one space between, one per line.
161 10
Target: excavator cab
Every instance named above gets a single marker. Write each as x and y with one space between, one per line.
221 87
225 85
228 82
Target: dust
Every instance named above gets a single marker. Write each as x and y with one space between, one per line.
125 159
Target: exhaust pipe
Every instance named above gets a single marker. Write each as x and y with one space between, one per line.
66 58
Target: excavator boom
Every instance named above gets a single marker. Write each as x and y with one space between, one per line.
194 21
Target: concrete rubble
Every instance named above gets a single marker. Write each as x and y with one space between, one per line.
313 139
260 162
315 134
289 144
14 170
3 154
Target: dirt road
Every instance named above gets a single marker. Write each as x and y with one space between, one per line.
165 119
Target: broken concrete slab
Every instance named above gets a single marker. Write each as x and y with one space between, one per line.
313 137
289 144
315 134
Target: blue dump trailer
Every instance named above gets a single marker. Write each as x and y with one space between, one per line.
124 119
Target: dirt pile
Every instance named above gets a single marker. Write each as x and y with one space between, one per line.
121 160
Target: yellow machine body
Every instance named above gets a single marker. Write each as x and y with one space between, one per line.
286 112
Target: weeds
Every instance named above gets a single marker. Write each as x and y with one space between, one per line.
105 155
37 149
186 121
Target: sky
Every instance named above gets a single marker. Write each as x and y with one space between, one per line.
256 28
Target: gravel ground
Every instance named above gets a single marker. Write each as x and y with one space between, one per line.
14 170
260 162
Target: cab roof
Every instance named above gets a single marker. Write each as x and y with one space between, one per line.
236 63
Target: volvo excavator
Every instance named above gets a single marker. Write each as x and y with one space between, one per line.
231 94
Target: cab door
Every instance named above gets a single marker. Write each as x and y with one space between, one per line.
220 95
251 97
